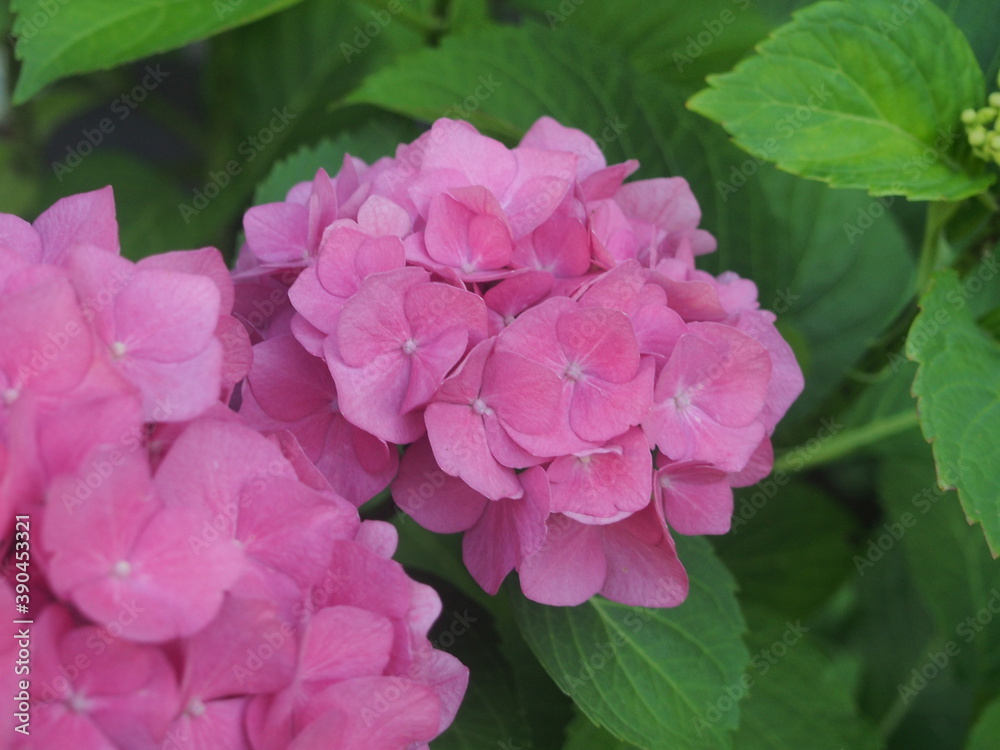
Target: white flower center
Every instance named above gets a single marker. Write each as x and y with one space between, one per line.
118 350
78 703
573 371
682 400
121 569
195 708
409 346
480 407
11 395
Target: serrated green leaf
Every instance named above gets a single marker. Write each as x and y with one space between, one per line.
986 733
57 38
648 675
859 94
369 144
677 41
958 392
797 696
791 552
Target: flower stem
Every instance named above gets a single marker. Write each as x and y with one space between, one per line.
839 445
938 214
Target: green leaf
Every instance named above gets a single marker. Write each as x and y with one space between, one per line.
648 675
58 38
788 547
951 564
859 94
798 697
583 734
986 733
467 14
678 41
837 269
958 392
369 144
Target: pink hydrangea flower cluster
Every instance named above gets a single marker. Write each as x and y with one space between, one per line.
192 583
570 387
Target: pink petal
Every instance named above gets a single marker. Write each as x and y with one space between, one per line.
438 502
569 567
642 572
86 218
508 530
277 233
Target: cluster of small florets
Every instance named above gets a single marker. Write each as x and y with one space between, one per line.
188 582
982 128
568 387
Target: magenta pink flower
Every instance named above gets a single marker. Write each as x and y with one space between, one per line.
709 397
396 340
533 332
96 692
295 391
606 389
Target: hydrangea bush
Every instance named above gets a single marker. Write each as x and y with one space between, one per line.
514 399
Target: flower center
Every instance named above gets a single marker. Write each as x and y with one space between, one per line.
573 371
121 569
409 346
118 350
10 395
480 407
195 708
78 703
682 400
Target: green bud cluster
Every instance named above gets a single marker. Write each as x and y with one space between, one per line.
982 128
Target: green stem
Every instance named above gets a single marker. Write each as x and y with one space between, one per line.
938 214
839 445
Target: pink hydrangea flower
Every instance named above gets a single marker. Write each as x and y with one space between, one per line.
568 387
186 566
